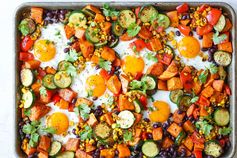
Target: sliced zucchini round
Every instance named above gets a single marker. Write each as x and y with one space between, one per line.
55 148
78 19
222 58
150 149
126 18
27 26
138 106
117 29
163 21
63 65
213 148
100 44
125 119
91 34
27 77
222 117
66 154
48 81
147 12
180 137
102 131
28 98
220 24
184 102
62 79
176 95
88 12
151 81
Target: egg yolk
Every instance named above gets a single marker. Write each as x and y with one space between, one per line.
189 47
96 84
59 121
133 65
162 112
44 50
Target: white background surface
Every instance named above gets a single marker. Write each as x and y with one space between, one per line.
7 9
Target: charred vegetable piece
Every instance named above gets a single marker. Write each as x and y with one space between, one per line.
27 26
126 18
62 79
62 65
27 77
102 131
138 106
77 18
222 58
222 117
28 98
176 95
55 148
147 13
213 148
48 81
117 29
150 81
126 119
184 102
150 149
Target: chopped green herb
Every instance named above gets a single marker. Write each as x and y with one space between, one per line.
72 56
86 133
151 56
105 64
224 131
108 11
219 39
127 136
83 110
34 138
43 91
203 76
133 29
213 68
194 99
49 130
203 126
27 112
71 70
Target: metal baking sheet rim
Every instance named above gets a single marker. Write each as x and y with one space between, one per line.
165 6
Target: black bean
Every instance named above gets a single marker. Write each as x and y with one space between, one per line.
165 125
28 136
167 149
149 136
180 112
116 152
177 33
155 125
146 119
49 14
194 29
192 156
171 149
94 98
204 49
180 124
182 154
215 47
184 17
63 11
200 37
66 50
97 67
61 16
174 154
190 33
77 136
74 131
50 21
209 156
101 147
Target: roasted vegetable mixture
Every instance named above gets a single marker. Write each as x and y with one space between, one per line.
165 95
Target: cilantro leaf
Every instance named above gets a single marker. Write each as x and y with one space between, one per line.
203 76
127 136
86 133
34 139
72 56
27 112
83 110
43 91
224 131
28 129
105 64
213 68
194 99
49 130
151 56
154 16
71 70
133 29
204 127
108 11
218 39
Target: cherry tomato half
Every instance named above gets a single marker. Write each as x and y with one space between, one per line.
182 8
213 16
26 56
26 43
184 29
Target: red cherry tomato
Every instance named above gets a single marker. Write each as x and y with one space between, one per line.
213 16
182 8
184 29
71 107
202 8
138 45
138 76
41 73
227 89
105 74
204 29
26 43
197 138
56 98
186 79
26 56
143 101
197 153
144 135
148 46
